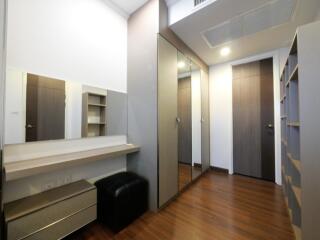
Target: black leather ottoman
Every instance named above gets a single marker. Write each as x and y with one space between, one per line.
122 198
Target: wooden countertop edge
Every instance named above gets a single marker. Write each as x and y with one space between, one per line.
26 168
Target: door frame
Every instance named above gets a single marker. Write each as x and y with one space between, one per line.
275 55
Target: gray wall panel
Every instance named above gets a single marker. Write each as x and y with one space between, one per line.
142 94
3 8
117 113
309 85
3 12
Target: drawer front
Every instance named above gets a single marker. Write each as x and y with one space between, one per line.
66 226
28 224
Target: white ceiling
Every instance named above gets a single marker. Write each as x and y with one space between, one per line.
129 6
192 28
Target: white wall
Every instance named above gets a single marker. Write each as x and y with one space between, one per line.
183 8
220 83
318 16
15 106
221 135
2 67
73 112
82 41
196 116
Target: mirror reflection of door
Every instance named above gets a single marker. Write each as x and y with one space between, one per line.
185 121
45 109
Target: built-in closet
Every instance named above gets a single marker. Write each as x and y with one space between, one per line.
180 120
300 132
168 105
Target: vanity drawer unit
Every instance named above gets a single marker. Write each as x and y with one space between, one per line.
53 214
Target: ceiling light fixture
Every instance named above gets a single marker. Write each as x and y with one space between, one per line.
181 64
225 51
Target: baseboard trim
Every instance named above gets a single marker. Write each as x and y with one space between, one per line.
197 165
217 169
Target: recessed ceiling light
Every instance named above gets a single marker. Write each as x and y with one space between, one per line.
225 51
181 64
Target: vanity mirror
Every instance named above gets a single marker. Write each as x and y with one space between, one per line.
41 108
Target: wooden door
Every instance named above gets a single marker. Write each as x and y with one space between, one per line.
45 110
253 119
167 125
185 126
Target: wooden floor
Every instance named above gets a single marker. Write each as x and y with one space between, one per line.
217 206
185 175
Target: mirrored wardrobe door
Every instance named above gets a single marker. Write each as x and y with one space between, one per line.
196 120
184 121
205 121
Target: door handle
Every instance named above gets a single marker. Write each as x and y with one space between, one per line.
202 120
270 126
178 120
29 126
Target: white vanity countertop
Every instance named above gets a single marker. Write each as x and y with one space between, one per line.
17 167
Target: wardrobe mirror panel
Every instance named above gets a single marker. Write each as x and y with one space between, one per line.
42 108
184 121
196 119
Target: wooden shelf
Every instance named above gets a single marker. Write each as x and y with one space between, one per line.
287 82
296 190
96 105
284 142
282 98
295 74
92 123
297 232
297 193
30 167
293 124
294 45
295 162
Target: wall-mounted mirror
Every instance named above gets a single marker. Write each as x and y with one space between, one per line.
41 108
185 121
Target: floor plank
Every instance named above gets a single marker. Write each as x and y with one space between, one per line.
216 207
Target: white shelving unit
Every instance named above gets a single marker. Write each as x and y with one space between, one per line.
94 114
300 132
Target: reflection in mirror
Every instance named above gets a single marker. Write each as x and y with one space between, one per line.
185 121
196 120
41 108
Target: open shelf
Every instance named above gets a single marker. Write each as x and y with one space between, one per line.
94 114
290 135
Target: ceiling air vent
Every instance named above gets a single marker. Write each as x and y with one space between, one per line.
197 2
270 15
